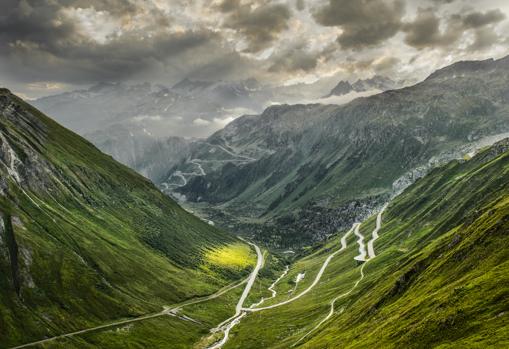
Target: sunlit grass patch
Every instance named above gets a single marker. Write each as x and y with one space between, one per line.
236 256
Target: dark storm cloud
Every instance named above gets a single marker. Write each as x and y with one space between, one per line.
300 5
37 42
89 61
479 19
294 58
228 5
117 7
385 64
298 58
36 23
425 31
259 25
74 42
483 39
364 22
428 30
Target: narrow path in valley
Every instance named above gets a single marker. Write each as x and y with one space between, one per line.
371 252
229 152
271 289
331 311
374 234
246 158
115 324
200 168
168 311
228 324
237 158
182 175
315 281
362 247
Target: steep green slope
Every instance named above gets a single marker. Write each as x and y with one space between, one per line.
440 277
85 240
311 162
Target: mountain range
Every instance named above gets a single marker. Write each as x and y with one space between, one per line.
190 107
377 223
129 121
305 171
296 166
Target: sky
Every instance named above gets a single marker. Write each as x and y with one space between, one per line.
50 46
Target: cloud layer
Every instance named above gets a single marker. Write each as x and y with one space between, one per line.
363 22
49 45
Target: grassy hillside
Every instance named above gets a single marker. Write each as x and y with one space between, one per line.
440 278
85 240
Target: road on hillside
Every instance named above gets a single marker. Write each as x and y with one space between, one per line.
168 311
315 281
228 324
371 253
362 247
331 311
271 289
374 234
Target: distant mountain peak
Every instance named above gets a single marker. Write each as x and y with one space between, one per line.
377 82
342 88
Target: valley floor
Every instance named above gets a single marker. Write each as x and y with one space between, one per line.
197 313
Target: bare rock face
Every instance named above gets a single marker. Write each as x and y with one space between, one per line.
22 140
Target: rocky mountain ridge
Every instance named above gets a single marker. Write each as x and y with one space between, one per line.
377 82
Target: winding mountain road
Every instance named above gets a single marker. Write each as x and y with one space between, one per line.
362 251
201 172
251 279
168 311
228 324
182 175
245 158
331 311
362 247
374 234
315 281
271 289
